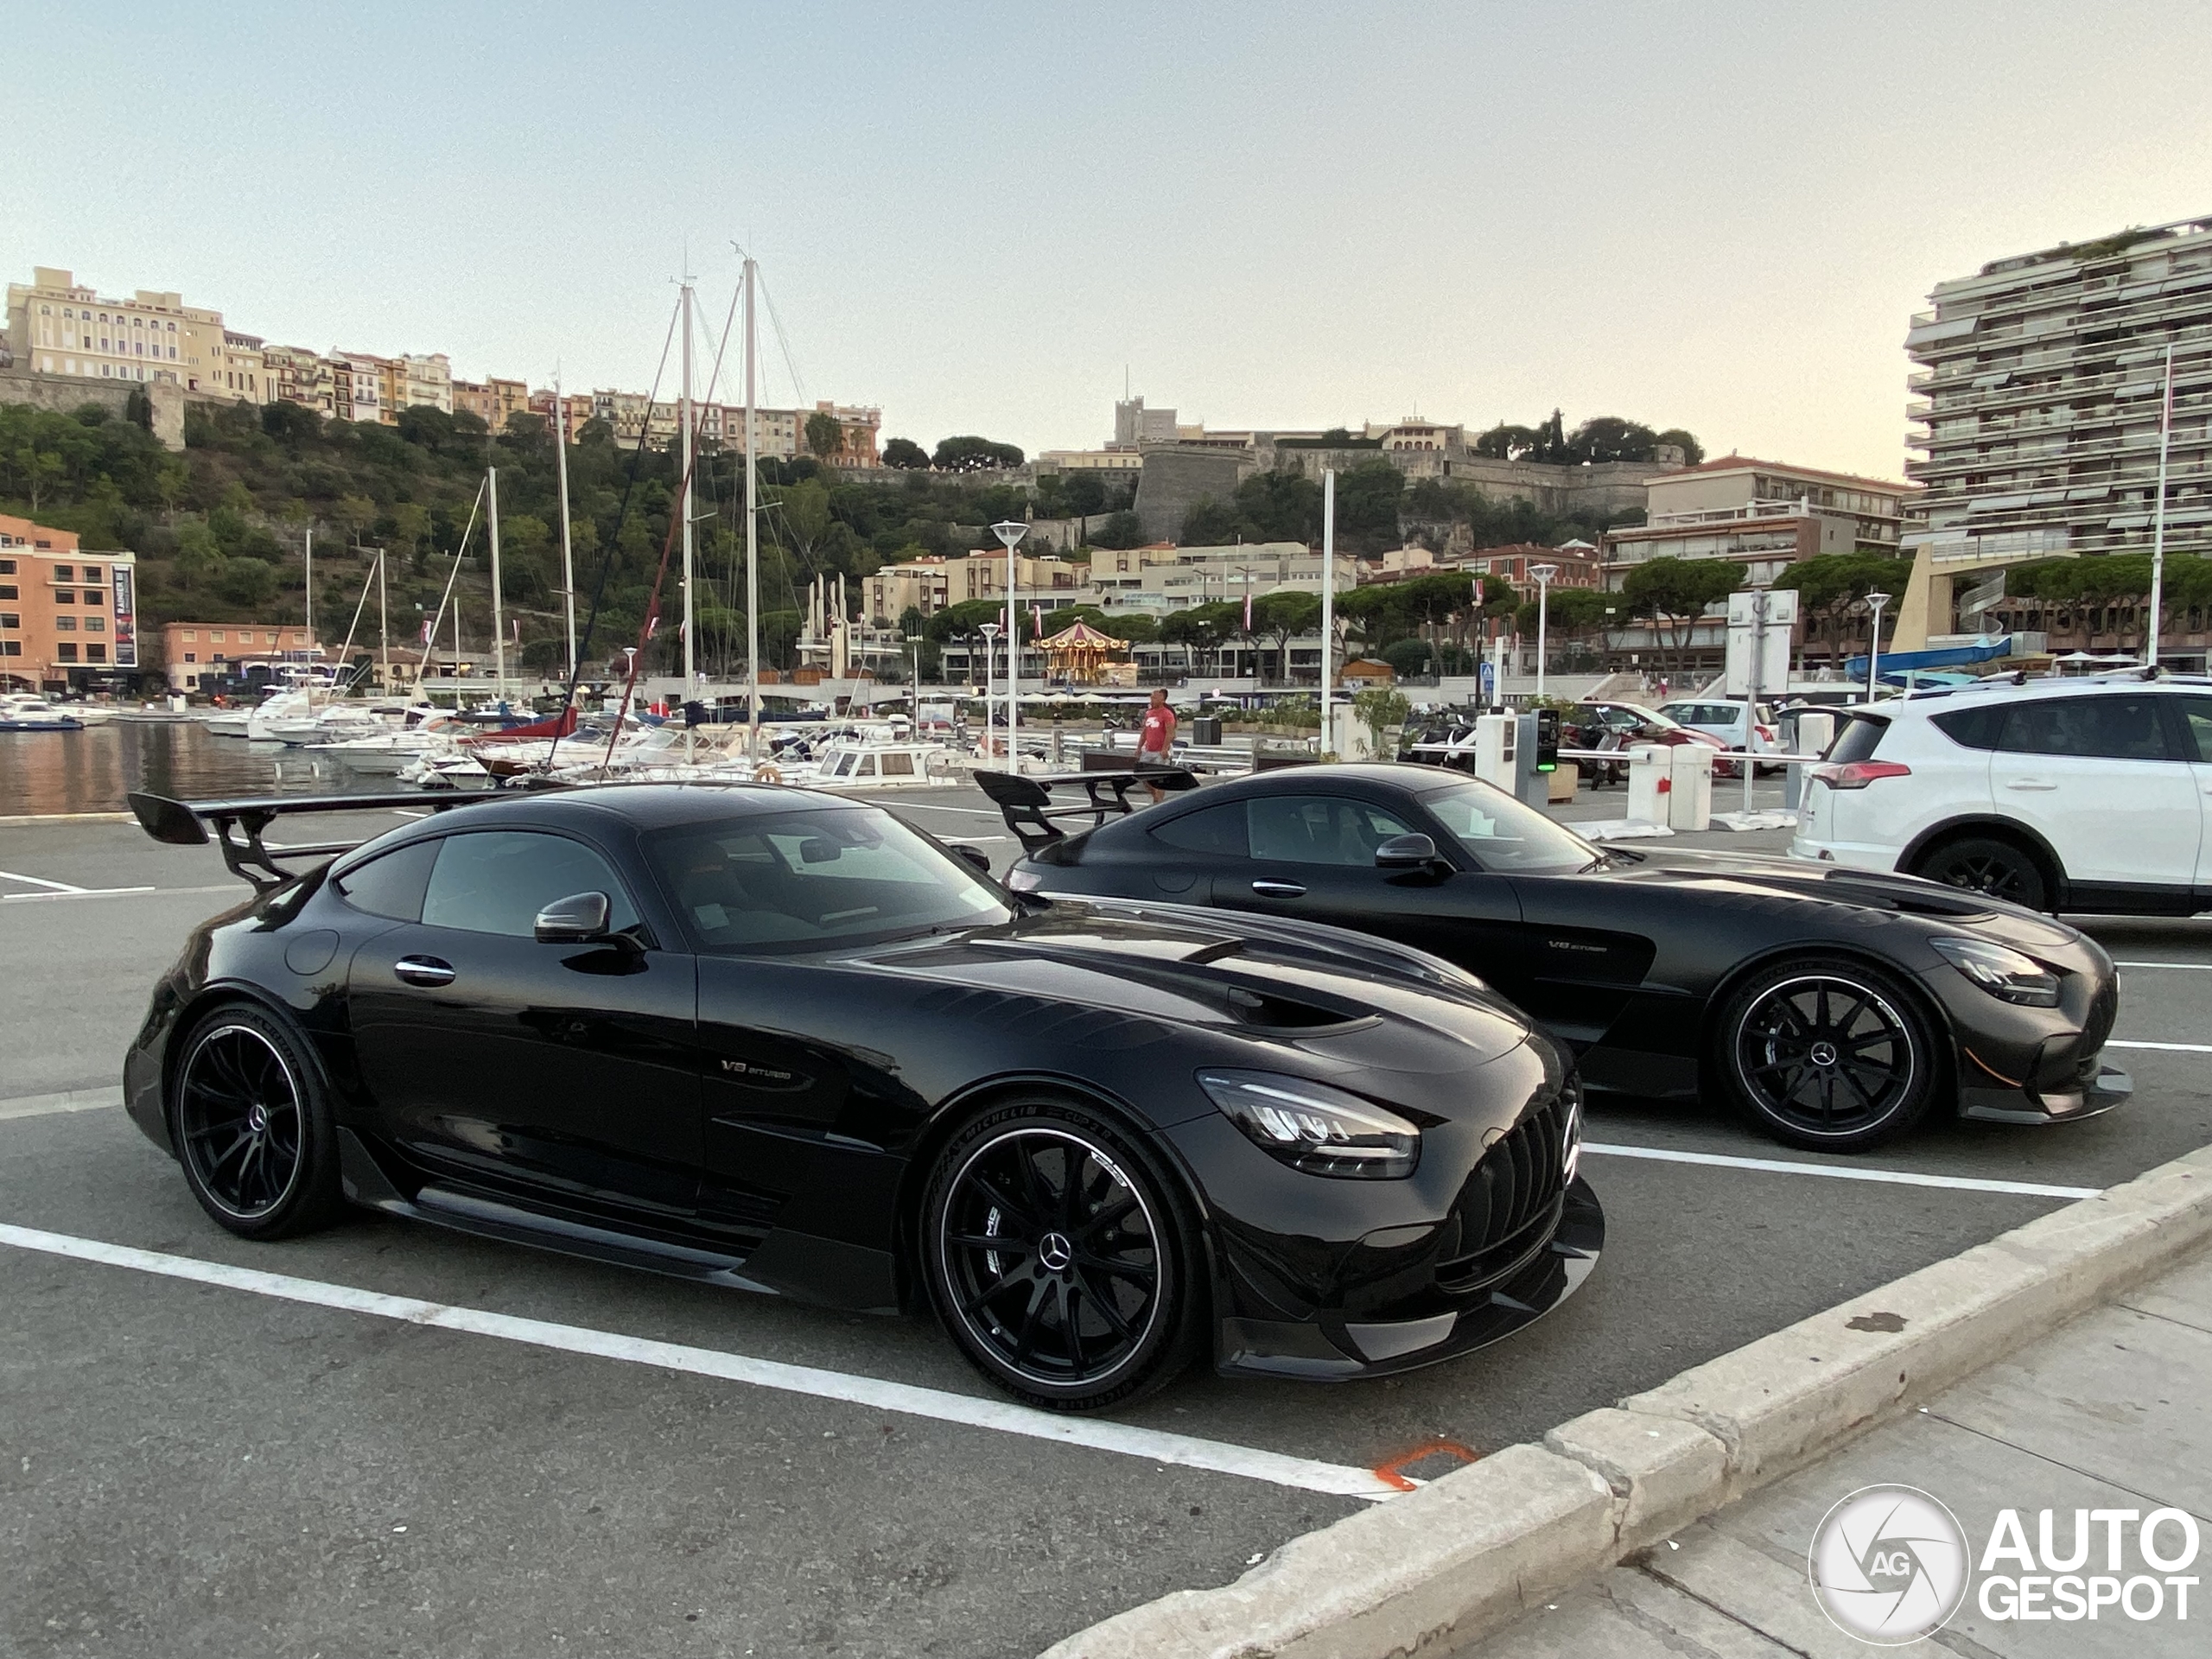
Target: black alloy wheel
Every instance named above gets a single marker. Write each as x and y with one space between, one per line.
1830 1055
1986 865
252 1126
1058 1258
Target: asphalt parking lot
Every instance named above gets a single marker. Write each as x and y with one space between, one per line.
196 1460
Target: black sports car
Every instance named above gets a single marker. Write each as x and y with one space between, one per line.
775 1039
1835 1006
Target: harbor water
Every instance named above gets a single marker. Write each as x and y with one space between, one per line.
91 771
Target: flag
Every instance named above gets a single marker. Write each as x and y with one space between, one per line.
1037 621
426 630
652 625
1248 607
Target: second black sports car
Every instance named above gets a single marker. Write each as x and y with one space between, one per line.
764 1037
1836 1007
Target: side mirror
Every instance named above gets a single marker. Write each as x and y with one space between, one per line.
967 855
580 919
1406 852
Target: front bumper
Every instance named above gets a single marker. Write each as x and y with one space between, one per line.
1329 1347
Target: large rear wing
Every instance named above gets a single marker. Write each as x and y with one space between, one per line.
239 826
1031 811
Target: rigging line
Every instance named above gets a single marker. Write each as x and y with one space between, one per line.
430 643
783 342
660 578
613 547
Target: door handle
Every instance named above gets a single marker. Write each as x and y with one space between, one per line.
423 970
1279 889
2030 783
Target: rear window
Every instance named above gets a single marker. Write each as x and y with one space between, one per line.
1860 736
1972 728
1216 829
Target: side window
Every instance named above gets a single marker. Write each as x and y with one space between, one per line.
392 885
2108 728
1215 829
2197 716
496 881
1971 729
1319 829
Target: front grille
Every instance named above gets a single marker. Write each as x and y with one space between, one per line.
1511 1203
2104 1008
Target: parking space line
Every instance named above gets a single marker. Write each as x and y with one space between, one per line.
69 1100
965 811
2177 1048
1838 1173
99 893
1004 1417
2190 967
38 881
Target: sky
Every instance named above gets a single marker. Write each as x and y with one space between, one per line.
1716 216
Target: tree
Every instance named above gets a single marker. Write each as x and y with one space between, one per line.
972 455
825 435
1831 585
1608 437
1201 628
1367 498
1211 523
247 584
1692 451
1379 707
1085 493
905 454
1121 530
1281 616
1674 593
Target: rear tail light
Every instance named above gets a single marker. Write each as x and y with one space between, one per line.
1857 774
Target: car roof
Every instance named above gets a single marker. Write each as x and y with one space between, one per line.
1398 778
643 806
1938 698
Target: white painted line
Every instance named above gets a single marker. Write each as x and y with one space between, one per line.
2190 967
402 812
1155 1445
1838 1173
69 1100
2177 1048
104 893
38 881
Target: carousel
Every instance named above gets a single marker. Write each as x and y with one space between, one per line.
1077 654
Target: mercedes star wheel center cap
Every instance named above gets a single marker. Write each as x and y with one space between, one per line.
1823 1054
1055 1252
257 1119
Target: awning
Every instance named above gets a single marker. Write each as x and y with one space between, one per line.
1949 656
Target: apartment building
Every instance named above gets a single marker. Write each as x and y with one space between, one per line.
66 615
58 326
929 585
2040 393
419 382
196 655
1157 580
858 425
1763 515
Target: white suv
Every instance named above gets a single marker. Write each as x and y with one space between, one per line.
2080 795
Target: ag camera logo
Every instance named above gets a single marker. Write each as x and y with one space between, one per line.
1890 1565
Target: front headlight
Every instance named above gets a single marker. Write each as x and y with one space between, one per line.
1314 1128
2002 971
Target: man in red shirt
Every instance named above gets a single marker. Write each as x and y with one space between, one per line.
1156 740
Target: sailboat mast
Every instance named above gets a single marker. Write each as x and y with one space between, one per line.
384 625
567 556
752 537
498 627
689 663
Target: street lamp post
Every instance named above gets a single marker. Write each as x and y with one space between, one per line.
1543 574
1874 603
1011 533
990 632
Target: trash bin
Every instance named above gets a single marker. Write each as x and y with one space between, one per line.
1206 730
1689 806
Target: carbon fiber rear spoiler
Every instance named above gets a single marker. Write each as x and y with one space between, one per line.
240 825
1030 811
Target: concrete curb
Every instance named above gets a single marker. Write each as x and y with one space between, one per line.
16 819
1471 1552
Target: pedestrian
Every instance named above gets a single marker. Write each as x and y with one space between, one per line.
1157 740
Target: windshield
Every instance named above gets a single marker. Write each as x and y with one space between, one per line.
821 875
1500 833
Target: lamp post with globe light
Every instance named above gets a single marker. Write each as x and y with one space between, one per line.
1011 533
1874 603
1543 574
990 632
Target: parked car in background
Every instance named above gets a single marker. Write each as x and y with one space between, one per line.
1610 725
2086 795
1737 723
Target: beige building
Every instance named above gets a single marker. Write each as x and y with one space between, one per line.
293 374
858 427
929 585
576 410
417 382
241 368
1763 515
57 326
1158 580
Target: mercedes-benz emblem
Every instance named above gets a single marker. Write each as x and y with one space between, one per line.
257 1119
1822 1054
1055 1252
